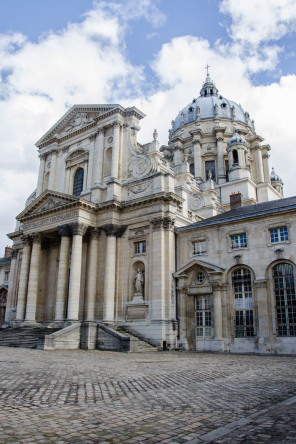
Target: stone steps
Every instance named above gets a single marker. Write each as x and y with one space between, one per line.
137 344
25 337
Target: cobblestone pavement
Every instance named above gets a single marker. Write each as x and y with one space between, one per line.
167 397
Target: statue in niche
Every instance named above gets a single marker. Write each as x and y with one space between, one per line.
139 282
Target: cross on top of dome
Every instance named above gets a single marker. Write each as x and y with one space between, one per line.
208 87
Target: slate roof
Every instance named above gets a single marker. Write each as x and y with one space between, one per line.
247 212
5 260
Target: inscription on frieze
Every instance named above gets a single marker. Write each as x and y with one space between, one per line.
50 220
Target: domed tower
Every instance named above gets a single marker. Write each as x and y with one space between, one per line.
218 139
276 181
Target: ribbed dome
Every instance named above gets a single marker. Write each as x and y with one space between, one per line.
236 138
210 105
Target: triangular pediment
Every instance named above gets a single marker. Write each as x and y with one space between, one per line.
197 263
47 201
78 117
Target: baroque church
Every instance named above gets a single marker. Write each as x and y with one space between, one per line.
188 245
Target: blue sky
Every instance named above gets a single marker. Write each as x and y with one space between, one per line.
147 53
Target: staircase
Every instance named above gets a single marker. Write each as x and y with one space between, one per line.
25 337
137 344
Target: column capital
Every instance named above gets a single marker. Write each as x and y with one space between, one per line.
160 222
94 232
117 123
26 239
101 131
13 253
78 229
42 156
36 238
92 136
114 230
54 152
64 230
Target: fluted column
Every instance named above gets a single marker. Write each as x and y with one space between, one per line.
41 175
112 232
92 273
217 311
78 231
33 279
52 173
23 281
197 158
220 176
115 150
99 156
63 273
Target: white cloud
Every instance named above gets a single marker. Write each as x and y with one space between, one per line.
256 21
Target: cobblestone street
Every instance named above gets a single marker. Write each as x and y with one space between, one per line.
168 397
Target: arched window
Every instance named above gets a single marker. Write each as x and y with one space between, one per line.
285 299
78 182
243 302
235 157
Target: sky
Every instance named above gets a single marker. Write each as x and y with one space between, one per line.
145 53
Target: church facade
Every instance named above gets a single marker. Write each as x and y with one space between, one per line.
107 235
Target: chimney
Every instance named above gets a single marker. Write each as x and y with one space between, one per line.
8 251
236 200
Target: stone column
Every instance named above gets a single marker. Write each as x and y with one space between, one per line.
112 232
78 231
115 150
92 274
265 161
220 176
259 165
52 173
41 175
99 156
33 279
11 286
67 181
217 311
197 158
63 273
23 281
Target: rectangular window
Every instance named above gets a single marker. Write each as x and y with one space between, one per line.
199 248
279 235
140 247
239 241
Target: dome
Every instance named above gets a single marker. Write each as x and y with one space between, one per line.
274 177
209 105
236 138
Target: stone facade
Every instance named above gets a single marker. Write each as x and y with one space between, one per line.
96 241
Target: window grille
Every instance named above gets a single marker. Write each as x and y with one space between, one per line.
239 241
140 247
243 302
78 182
199 248
285 299
279 234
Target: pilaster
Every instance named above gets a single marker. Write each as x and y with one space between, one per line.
91 288
41 175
